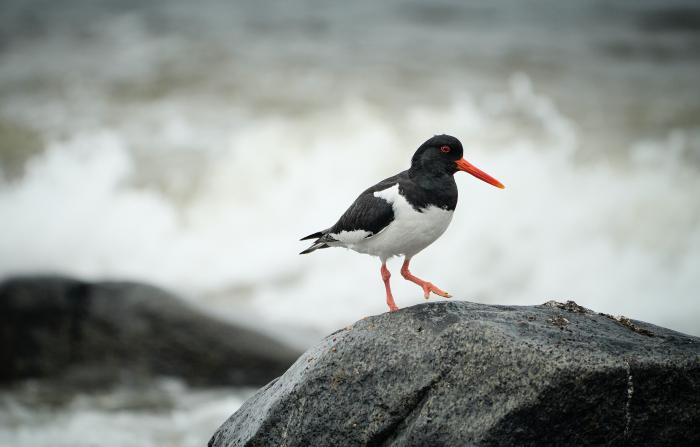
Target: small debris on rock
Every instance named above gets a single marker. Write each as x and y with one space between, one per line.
570 306
626 322
558 321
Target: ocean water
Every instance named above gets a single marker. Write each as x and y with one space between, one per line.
192 144
167 413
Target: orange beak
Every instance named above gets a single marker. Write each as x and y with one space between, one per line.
464 165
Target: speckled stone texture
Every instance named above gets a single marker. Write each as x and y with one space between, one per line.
462 374
96 334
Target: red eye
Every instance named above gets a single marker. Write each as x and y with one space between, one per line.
445 149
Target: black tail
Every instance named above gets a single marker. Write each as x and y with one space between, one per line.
321 241
312 236
314 247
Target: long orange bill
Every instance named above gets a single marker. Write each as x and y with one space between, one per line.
464 165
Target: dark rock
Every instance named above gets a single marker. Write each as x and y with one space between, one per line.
671 20
71 331
464 374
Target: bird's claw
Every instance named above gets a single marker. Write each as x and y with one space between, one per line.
430 287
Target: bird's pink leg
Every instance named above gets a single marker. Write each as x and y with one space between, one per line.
427 286
389 297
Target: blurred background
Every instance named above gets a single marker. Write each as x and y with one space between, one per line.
190 145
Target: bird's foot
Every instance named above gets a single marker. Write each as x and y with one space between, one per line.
393 308
425 285
430 287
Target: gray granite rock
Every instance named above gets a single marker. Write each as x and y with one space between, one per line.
463 374
81 333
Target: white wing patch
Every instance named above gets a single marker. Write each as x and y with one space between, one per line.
351 237
389 194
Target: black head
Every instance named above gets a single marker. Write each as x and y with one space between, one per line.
441 156
438 155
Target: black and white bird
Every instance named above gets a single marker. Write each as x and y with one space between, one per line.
403 214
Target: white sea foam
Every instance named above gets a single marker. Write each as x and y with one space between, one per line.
616 238
166 414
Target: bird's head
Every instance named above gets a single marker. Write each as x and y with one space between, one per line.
442 154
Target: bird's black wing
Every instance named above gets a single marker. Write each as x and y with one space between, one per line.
368 213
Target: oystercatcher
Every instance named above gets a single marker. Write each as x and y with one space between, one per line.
403 214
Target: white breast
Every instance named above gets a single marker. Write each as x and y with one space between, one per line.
410 231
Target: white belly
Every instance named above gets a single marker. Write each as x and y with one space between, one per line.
410 231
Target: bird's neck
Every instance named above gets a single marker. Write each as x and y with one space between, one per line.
430 179
423 189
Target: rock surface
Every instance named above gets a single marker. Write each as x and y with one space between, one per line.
464 374
70 331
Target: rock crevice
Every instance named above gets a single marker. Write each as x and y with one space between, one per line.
630 394
409 413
